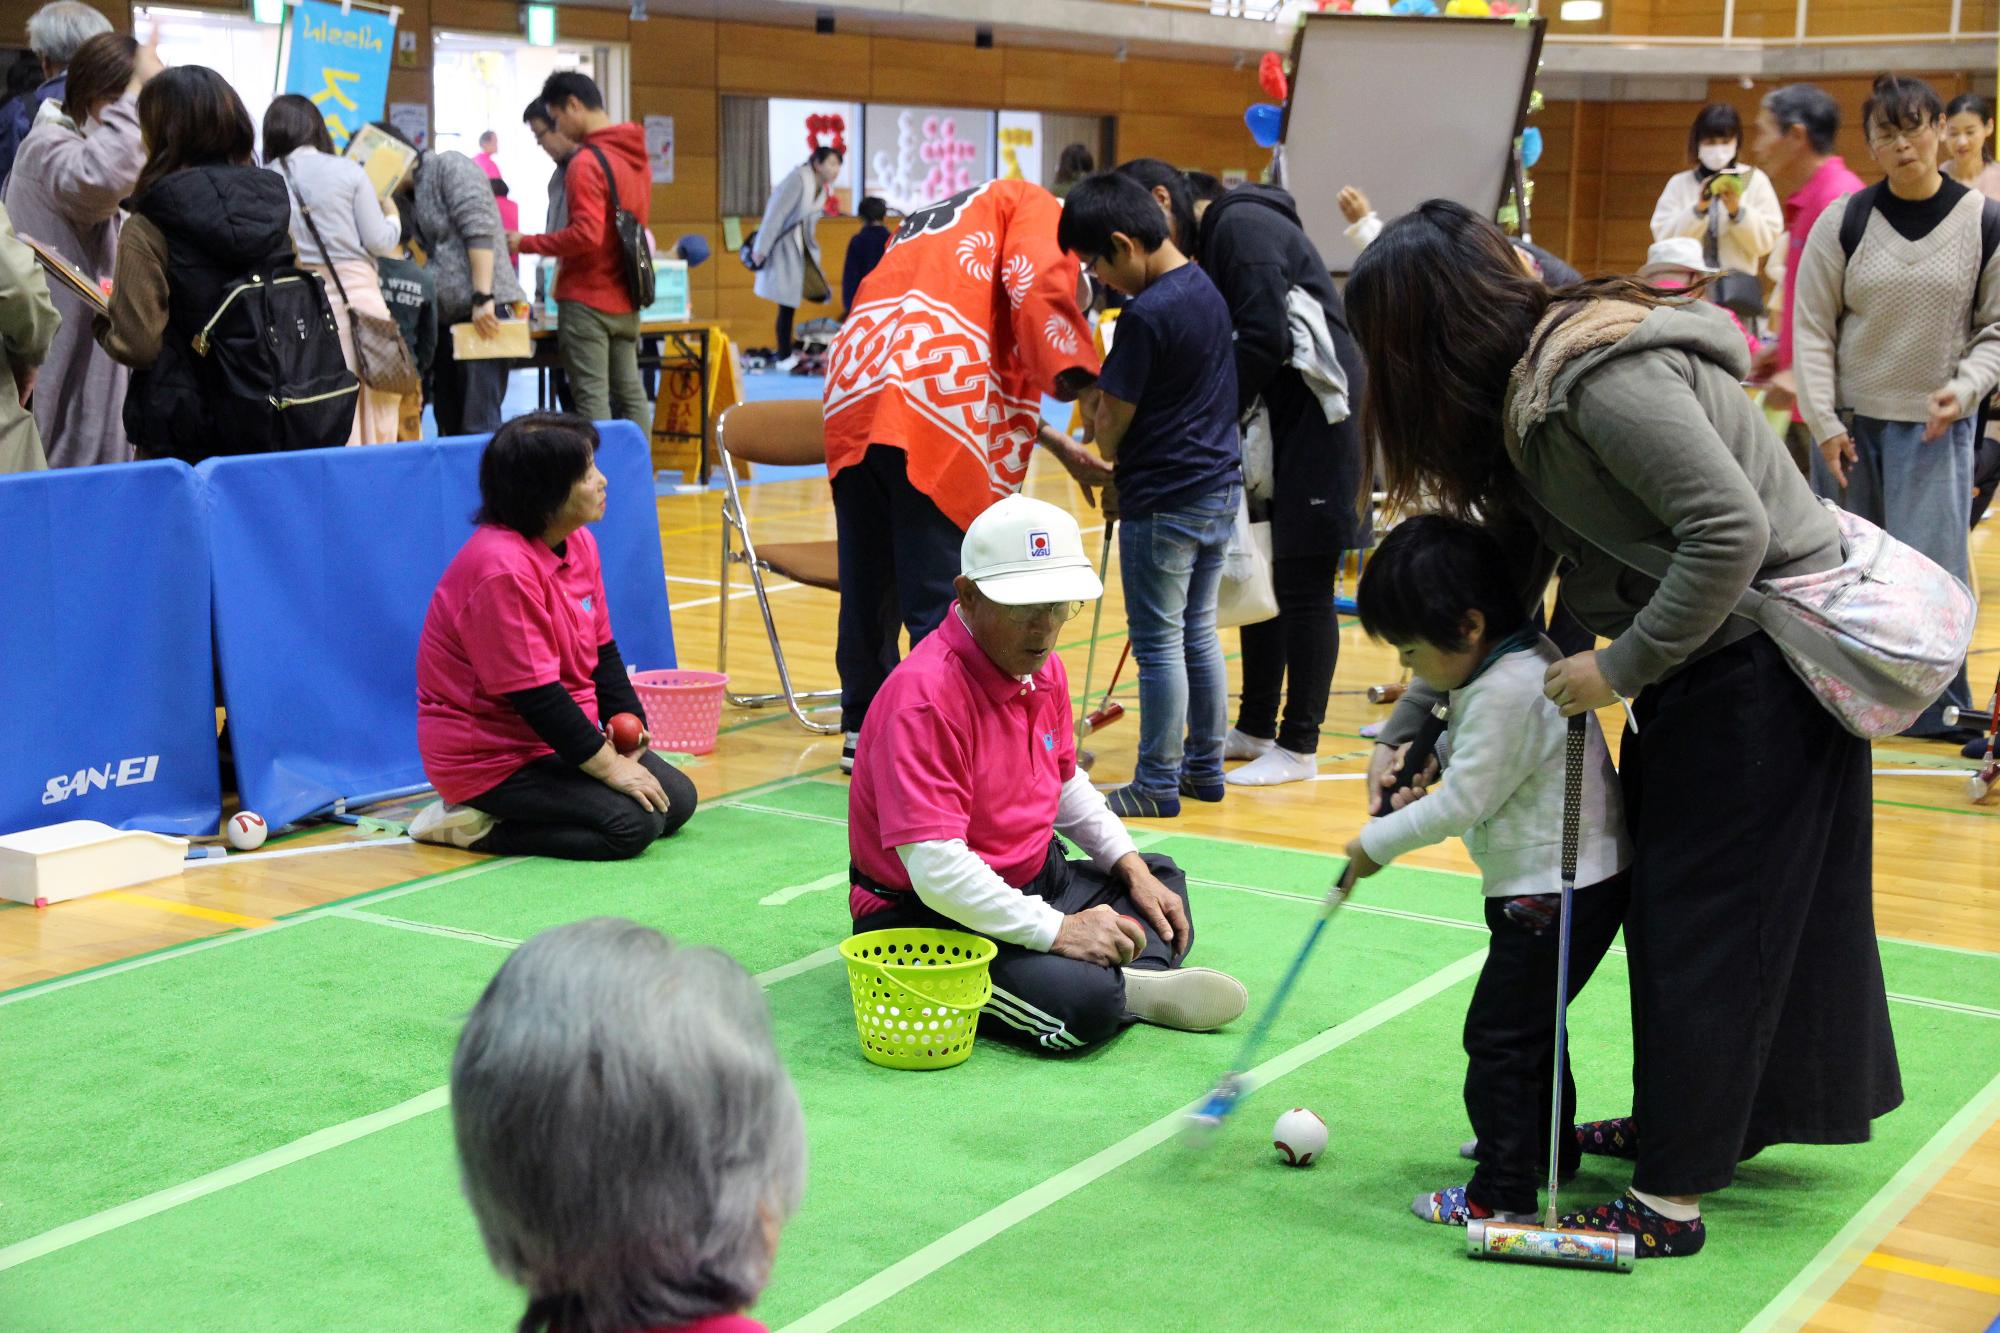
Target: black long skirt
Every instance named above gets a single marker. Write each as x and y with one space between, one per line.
1759 1014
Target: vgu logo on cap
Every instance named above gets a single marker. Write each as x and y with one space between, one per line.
1038 546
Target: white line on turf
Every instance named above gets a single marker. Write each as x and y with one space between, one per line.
1829 1269
345 907
236 937
97 1224
860 1299
318 849
298 1150
426 928
838 879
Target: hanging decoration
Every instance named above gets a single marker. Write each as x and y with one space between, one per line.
1271 77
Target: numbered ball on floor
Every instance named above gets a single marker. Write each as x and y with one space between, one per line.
246 831
626 732
1299 1136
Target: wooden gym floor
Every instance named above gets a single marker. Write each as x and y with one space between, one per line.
1931 1261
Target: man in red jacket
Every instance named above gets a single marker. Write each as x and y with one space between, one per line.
597 322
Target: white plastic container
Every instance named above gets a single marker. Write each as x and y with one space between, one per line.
81 857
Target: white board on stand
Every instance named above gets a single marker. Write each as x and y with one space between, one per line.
1405 109
71 860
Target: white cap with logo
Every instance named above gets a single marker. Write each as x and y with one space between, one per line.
1023 551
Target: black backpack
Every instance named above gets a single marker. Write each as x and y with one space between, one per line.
631 234
1861 203
272 361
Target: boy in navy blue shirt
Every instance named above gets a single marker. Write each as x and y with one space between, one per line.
1165 415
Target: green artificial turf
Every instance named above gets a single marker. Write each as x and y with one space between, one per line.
139 1080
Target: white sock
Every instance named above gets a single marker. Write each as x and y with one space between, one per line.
1274 767
1237 745
1677 1212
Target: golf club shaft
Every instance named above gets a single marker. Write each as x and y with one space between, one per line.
1096 621
1573 750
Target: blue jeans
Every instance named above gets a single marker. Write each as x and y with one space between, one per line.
1171 563
1921 494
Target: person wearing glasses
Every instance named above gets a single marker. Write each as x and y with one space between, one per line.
966 773
1898 342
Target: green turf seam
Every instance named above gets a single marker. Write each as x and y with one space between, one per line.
1938 809
35 988
1425 918
962 1240
1824 1274
311 1145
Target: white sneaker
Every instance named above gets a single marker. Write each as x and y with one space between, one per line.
787 363
1274 768
847 740
1238 746
1191 999
450 825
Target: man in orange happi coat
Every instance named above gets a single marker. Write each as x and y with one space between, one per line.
933 402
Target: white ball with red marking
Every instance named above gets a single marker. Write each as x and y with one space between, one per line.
246 831
1299 1136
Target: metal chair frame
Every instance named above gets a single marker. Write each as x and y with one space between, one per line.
736 528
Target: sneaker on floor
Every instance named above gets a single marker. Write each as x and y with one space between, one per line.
1201 791
1128 802
1239 746
1658 1237
847 740
786 363
1452 1208
1190 999
450 825
1617 1137
1974 748
1275 767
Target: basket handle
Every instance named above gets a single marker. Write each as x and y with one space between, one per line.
985 987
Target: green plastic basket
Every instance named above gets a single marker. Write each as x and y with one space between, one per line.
917 994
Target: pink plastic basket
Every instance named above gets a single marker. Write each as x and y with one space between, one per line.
683 708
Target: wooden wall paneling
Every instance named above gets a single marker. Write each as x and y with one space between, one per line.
1037 80
934 73
479 16
1175 87
791 62
696 113
674 52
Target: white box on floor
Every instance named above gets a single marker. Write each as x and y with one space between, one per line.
63 861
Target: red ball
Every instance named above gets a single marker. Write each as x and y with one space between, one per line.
627 732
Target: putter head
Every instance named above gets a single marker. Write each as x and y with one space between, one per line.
1205 1119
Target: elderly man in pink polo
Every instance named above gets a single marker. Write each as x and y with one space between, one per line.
965 773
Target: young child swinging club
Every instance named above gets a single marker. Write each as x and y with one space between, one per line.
1438 591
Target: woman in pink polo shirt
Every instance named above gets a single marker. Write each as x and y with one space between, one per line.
517 670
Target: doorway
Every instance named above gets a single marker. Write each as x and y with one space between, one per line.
484 81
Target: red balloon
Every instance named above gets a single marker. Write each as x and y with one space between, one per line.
1271 76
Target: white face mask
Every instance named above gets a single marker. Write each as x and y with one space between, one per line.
1716 156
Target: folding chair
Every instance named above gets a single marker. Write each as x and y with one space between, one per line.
780 434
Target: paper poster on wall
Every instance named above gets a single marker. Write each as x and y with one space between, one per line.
340 61
918 155
799 128
660 148
1020 146
414 120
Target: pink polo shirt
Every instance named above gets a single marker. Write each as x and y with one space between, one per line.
509 614
954 747
1802 210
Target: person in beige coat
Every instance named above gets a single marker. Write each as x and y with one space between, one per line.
28 323
71 177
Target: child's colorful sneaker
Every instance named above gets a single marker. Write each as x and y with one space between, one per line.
1451 1208
1659 1237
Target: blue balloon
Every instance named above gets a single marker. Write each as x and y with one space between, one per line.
1264 121
1531 147
1415 8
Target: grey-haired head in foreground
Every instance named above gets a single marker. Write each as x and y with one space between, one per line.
627 1137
